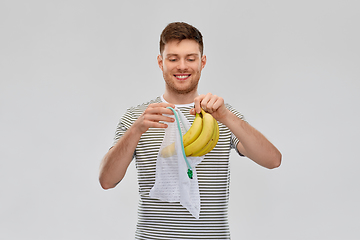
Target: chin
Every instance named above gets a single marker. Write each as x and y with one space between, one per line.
186 90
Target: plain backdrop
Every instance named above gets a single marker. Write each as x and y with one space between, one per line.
70 69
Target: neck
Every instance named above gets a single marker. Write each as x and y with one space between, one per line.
178 98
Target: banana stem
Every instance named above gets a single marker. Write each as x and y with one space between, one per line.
189 172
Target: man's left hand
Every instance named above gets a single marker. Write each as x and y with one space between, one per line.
212 104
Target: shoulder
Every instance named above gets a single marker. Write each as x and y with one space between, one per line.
141 107
132 113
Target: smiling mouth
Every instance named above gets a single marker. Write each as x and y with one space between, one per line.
182 76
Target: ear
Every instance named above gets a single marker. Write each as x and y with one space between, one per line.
203 61
160 62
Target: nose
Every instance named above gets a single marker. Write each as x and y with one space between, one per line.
182 65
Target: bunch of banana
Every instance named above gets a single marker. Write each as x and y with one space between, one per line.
200 139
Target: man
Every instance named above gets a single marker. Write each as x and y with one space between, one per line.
141 130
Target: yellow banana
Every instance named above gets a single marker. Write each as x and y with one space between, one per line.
211 144
190 136
205 135
200 139
168 151
194 131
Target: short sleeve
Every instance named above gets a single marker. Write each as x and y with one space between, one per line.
234 140
124 124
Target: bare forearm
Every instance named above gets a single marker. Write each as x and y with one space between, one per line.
115 163
252 143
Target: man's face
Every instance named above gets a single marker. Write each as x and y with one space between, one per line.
181 63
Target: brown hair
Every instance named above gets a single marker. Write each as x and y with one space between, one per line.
180 31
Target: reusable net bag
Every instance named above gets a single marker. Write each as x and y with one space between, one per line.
176 178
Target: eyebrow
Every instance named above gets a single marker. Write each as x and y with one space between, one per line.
187 55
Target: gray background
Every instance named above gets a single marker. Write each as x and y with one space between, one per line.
69 70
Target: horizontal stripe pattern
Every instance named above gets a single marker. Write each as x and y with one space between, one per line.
170 220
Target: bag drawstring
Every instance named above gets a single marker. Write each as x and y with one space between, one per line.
189 172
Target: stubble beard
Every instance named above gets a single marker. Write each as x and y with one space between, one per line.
172 87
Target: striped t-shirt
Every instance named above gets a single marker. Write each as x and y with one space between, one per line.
164 220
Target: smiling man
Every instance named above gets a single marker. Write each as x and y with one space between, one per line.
181 62
140 133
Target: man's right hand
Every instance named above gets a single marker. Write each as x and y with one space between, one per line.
153 117
115 163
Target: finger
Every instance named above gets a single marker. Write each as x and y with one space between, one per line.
218 103
211 104
158 118
157 125
197 102
166 105
159 109
162 104
205 101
